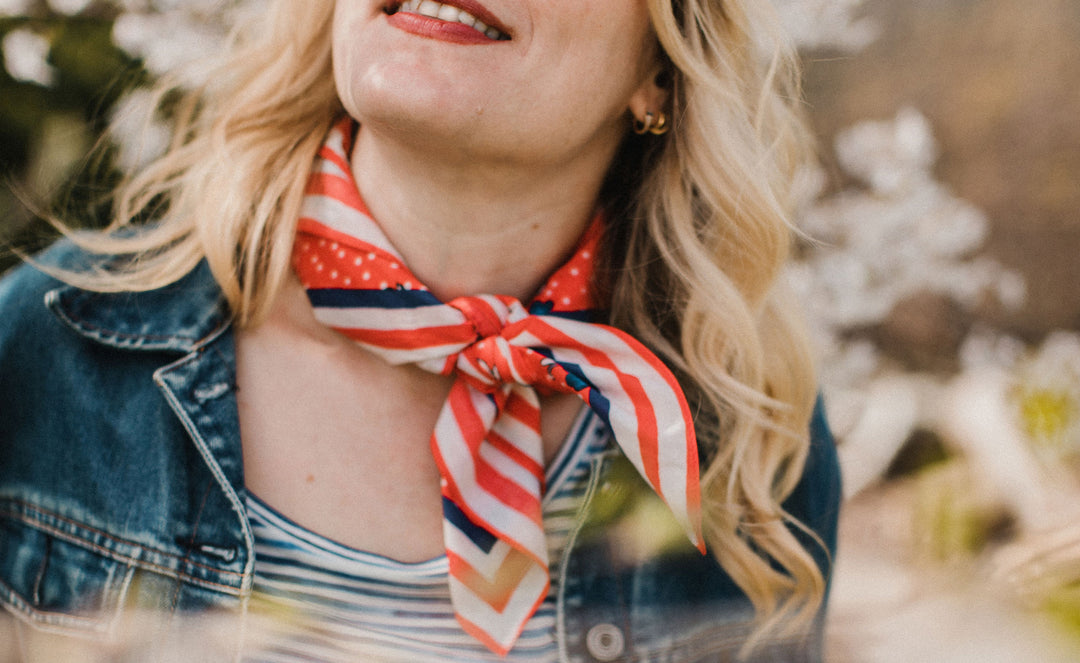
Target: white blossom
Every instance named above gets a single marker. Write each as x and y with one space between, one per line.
904 234
827 23
25 57
168 42
14 7
892 408
1046 396
68 7
988 347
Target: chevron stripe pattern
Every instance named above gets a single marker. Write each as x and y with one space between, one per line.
487 441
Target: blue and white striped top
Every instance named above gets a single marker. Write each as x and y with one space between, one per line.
317 600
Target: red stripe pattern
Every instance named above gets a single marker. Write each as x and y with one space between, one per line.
487 441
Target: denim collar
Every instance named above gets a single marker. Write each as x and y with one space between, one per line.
180 317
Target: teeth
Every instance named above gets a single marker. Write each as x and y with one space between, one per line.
449 14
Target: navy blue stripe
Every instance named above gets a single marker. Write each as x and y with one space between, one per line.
399 297
478 535
539 307
600 405
575 376
390 298
333 578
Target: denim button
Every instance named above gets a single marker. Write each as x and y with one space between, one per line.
605 642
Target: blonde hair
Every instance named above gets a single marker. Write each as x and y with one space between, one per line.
693 258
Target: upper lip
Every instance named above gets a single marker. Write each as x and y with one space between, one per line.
471 6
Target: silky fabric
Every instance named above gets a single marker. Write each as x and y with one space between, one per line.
487 442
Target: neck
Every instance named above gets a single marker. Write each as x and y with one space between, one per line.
466 226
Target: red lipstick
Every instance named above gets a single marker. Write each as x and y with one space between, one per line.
400 16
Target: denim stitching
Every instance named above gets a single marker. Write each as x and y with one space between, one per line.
191 544
143 564
75 538
99 333
41 572
22 609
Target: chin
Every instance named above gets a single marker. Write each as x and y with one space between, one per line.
407 96
382 71
410 103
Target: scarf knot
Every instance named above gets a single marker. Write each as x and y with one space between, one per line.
492 362
488 315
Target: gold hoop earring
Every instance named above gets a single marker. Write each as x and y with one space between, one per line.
654 123
661 127
642 127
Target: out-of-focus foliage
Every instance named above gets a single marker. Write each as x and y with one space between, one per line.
62 74
69 69
56 65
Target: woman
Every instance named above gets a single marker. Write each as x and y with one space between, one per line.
232 407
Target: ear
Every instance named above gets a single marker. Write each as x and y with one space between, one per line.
652 95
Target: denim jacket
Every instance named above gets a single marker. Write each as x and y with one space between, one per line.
122 492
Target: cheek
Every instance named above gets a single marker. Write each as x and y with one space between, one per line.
606 78
615 49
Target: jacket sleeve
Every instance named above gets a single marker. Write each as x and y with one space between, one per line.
815 502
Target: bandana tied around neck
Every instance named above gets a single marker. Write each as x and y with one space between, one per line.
487 441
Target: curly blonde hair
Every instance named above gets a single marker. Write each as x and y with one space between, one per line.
693 262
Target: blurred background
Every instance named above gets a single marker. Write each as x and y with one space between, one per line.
938 273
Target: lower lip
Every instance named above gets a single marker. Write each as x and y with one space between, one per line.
433 28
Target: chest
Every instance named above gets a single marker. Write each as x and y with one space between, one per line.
338 443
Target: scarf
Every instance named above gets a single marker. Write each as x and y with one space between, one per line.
487 442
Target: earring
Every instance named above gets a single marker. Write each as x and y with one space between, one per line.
642 127
661 127
654 123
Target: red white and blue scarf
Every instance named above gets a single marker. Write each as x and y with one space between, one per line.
487 441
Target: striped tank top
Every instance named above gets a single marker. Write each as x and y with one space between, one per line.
317 600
